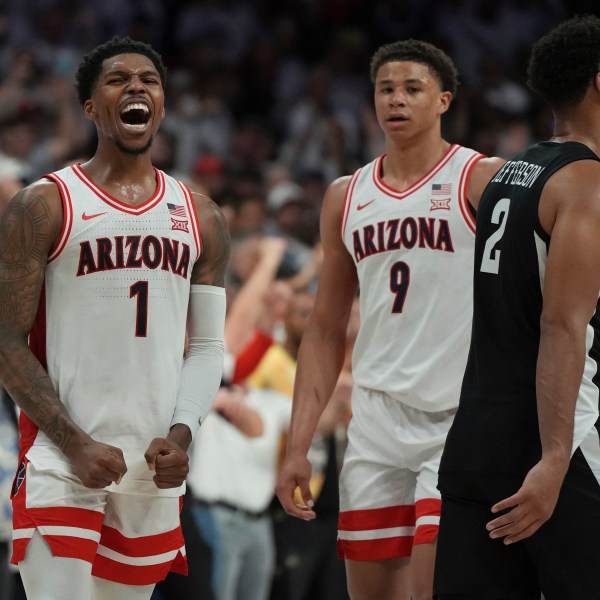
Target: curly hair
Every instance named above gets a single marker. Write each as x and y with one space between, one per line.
437 60
565 61
91 66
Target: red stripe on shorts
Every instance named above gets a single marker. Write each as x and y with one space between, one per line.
147 545
106 568
381 549
377 518
139 548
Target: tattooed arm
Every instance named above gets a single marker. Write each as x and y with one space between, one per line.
29 229
203 366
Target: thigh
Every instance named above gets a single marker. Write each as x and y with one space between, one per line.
68 515
377 512
566 549
468 562
425 457
141 540
382 579
49 577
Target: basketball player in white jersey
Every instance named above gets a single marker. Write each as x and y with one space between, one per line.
102 266
401 230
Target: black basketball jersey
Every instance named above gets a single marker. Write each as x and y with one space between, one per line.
496 426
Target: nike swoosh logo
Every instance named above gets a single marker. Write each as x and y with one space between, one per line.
88 217
361 206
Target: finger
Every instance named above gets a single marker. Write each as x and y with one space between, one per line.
510 502
525 533
306 495
504 520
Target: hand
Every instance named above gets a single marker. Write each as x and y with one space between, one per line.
530 507
98 464
168 461
296 473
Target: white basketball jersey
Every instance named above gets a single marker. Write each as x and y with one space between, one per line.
414 257
111 324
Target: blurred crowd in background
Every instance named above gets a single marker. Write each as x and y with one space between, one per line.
267 102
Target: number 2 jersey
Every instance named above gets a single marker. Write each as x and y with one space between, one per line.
496 426
413 252
110 329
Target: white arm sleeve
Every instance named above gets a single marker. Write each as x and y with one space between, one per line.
203 363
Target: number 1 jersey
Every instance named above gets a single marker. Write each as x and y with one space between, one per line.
110 329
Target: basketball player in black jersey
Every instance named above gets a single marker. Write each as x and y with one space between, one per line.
521 467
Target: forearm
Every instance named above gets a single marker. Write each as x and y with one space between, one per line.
31 389
320 361
203 364
559 374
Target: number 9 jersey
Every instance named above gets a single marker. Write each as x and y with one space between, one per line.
110 329
413 251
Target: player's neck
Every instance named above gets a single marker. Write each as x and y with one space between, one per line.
131 180
405 164
579 125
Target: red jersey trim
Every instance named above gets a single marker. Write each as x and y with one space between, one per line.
348 200
399 195
463 201
67 225
118 204
187 193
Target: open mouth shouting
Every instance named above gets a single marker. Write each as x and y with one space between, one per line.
135 115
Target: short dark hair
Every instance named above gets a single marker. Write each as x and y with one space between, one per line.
418 51
91 66
565 61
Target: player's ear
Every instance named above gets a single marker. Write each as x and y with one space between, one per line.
89 111
445 101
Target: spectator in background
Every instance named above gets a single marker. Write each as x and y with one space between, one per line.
232 474
307 563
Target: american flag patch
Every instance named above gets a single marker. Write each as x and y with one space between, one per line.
177 210
441 189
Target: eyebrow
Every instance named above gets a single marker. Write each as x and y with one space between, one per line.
125 73
411 80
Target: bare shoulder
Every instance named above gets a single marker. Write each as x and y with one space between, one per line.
573 190
29 229
216 242
33 217
335 195
483 171
336 190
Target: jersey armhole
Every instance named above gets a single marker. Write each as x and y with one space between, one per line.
187 193
348 200
466 210
67 223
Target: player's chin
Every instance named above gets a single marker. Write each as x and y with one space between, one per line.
135 148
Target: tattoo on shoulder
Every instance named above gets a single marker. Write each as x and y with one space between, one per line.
24 236
25 231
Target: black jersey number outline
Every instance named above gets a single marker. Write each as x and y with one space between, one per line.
140 290
399 280
490 263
